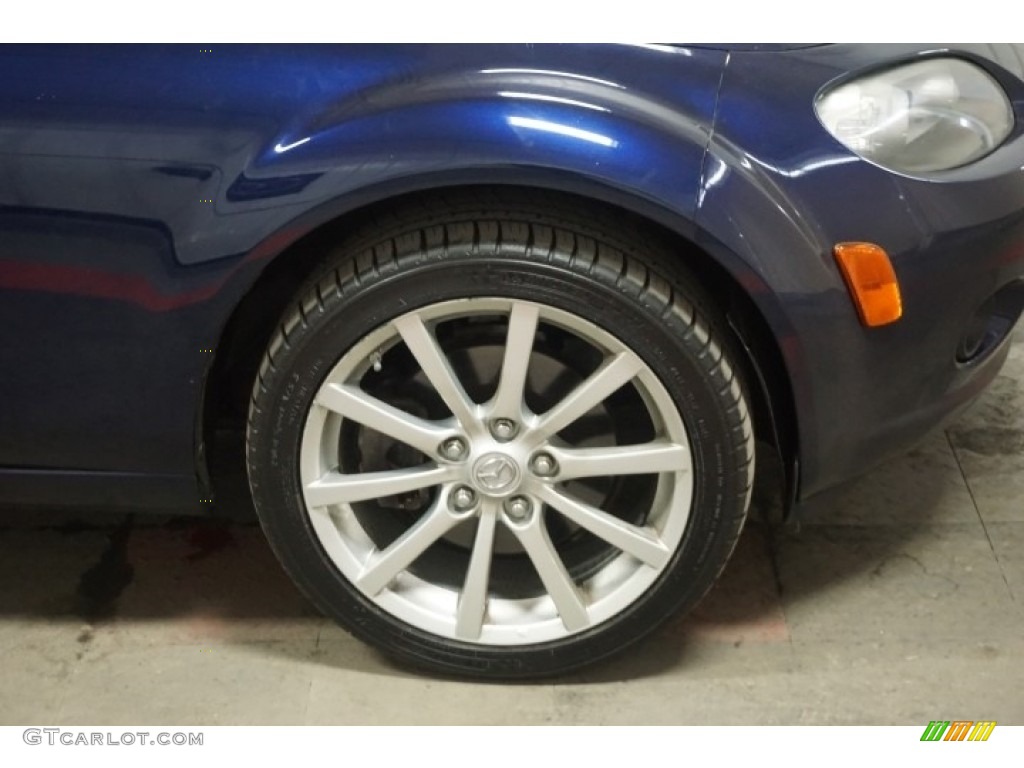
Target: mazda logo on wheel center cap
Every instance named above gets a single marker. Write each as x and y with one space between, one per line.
496 474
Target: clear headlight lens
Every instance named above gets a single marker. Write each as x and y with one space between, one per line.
931 115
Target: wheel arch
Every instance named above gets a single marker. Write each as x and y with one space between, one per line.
244 336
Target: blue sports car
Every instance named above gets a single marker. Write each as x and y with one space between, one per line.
499 334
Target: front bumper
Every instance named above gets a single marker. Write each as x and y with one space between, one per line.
780 193
879 391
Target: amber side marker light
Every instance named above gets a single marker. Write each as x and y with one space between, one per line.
871 281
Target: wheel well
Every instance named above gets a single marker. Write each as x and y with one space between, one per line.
245 336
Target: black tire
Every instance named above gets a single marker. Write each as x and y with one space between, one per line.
531 248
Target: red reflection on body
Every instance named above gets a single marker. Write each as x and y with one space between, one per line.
94 283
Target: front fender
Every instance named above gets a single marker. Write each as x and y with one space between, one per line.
532 116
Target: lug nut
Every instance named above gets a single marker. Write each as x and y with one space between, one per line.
544 465
503 429
462 499
454 449
518 508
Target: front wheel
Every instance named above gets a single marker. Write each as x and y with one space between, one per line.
500 443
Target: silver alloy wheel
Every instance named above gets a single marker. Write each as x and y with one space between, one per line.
494 465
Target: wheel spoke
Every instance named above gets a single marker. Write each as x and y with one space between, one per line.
352 403
386 565
649 458
435 365
473 600
337 488
556 579
522 327
631 539
612 374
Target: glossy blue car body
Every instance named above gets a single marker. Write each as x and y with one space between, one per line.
159 205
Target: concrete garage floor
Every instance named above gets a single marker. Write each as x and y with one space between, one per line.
903 603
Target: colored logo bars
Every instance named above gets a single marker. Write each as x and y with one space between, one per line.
958 730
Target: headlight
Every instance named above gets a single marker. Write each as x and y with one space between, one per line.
931 115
